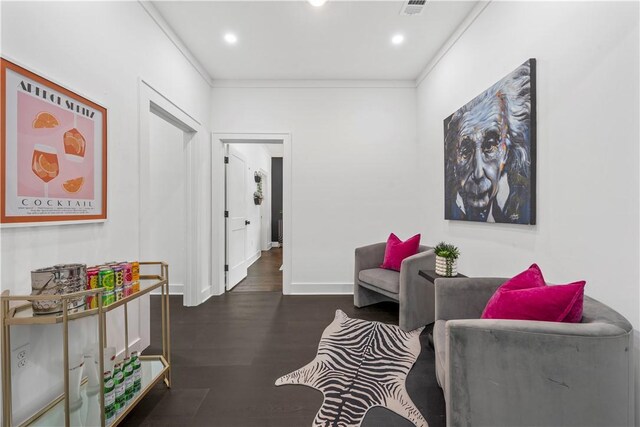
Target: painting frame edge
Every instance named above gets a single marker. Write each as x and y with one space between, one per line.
533 142
31 221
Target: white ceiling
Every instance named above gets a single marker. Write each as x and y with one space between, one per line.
294 40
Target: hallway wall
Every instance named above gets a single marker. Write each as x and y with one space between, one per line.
587 145
354 169
100 50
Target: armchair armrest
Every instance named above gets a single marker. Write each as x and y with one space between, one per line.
411 266
464 298
370 256
502 372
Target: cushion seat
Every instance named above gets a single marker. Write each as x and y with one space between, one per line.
387 280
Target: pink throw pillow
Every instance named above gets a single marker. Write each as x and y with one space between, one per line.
397 250
527 297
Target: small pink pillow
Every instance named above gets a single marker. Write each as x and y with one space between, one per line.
527 297
397 250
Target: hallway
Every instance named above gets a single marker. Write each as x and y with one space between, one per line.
264 275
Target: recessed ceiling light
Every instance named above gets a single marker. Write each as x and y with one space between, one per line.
230 38
317 3
397 39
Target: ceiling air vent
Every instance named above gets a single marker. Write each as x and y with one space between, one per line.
412 7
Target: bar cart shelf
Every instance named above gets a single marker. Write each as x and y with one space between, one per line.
155 368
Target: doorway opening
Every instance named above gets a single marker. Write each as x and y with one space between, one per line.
254 199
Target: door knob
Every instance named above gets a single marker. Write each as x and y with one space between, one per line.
247 222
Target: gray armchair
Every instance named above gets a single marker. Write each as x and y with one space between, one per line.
529 373
415 294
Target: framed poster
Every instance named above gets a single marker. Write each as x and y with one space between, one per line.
490 153
53 161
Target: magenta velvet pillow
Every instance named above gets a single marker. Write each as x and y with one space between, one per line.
397 250
527 297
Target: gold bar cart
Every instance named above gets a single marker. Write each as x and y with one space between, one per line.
16 310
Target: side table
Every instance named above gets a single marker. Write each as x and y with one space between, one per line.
431 276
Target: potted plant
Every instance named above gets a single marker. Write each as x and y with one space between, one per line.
257 177
257 198
446 259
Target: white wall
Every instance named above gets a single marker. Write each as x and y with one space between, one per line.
257 158
354 169
100 50
587 163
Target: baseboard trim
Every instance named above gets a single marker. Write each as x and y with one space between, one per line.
133 345
253 258
174 289
321 289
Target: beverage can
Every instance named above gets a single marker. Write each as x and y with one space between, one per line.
106 279
119 386
108 298
92 283
127 290
135 271
128 378
128 273
118 277
135 287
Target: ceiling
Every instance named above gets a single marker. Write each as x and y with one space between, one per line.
293 40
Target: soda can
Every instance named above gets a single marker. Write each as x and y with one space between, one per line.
92 283
106 279
108 298
118 275
135 271
128 273
127 290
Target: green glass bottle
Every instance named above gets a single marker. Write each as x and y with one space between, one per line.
128 379
109 399
137 372
118 383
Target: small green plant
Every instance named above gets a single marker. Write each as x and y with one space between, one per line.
446 250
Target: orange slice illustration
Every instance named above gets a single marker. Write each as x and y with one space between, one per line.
45 120
74 142
73 185
44 168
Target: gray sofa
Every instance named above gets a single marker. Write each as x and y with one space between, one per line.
529 373
415 294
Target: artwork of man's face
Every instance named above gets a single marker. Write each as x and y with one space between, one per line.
481 152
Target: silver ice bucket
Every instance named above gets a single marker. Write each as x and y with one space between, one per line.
58 280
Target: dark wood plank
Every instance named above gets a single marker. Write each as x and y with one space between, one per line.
264 275
228 352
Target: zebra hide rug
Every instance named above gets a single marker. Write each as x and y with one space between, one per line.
359 365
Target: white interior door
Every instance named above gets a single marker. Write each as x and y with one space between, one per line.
236 206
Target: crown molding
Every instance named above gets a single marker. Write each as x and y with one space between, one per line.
452 40
157 17
313 84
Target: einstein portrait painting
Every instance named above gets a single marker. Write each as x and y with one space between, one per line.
490 153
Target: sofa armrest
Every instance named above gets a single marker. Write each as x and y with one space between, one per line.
502 372
370 256
464 298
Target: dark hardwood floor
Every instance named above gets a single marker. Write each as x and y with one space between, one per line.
264 274
228 352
